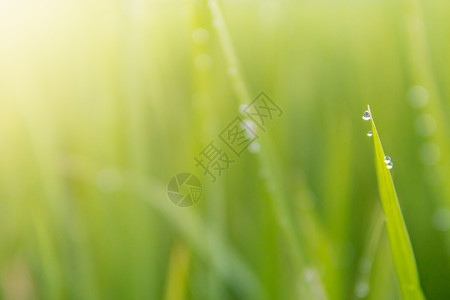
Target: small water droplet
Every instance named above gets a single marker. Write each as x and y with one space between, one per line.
200 35
390 165
366 116
418 96
362 289
250 128
243 108
254 147
309 274
369 133
248 124
387 159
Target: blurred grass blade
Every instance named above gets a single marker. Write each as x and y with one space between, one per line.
178 272
221 257
401 249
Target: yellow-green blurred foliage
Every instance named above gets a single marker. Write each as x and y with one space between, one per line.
102 102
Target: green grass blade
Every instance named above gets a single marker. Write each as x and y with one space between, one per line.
401 249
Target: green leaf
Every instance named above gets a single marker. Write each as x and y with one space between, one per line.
400 244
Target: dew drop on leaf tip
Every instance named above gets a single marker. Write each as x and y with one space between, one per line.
366 115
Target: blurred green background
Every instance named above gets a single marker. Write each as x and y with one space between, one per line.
102 102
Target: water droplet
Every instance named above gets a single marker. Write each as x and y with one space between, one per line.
248 124
250 128
387 159
369 133
200 35
271 12
418 96
309 274
366 116
254 147
362 289
389 165
243 108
